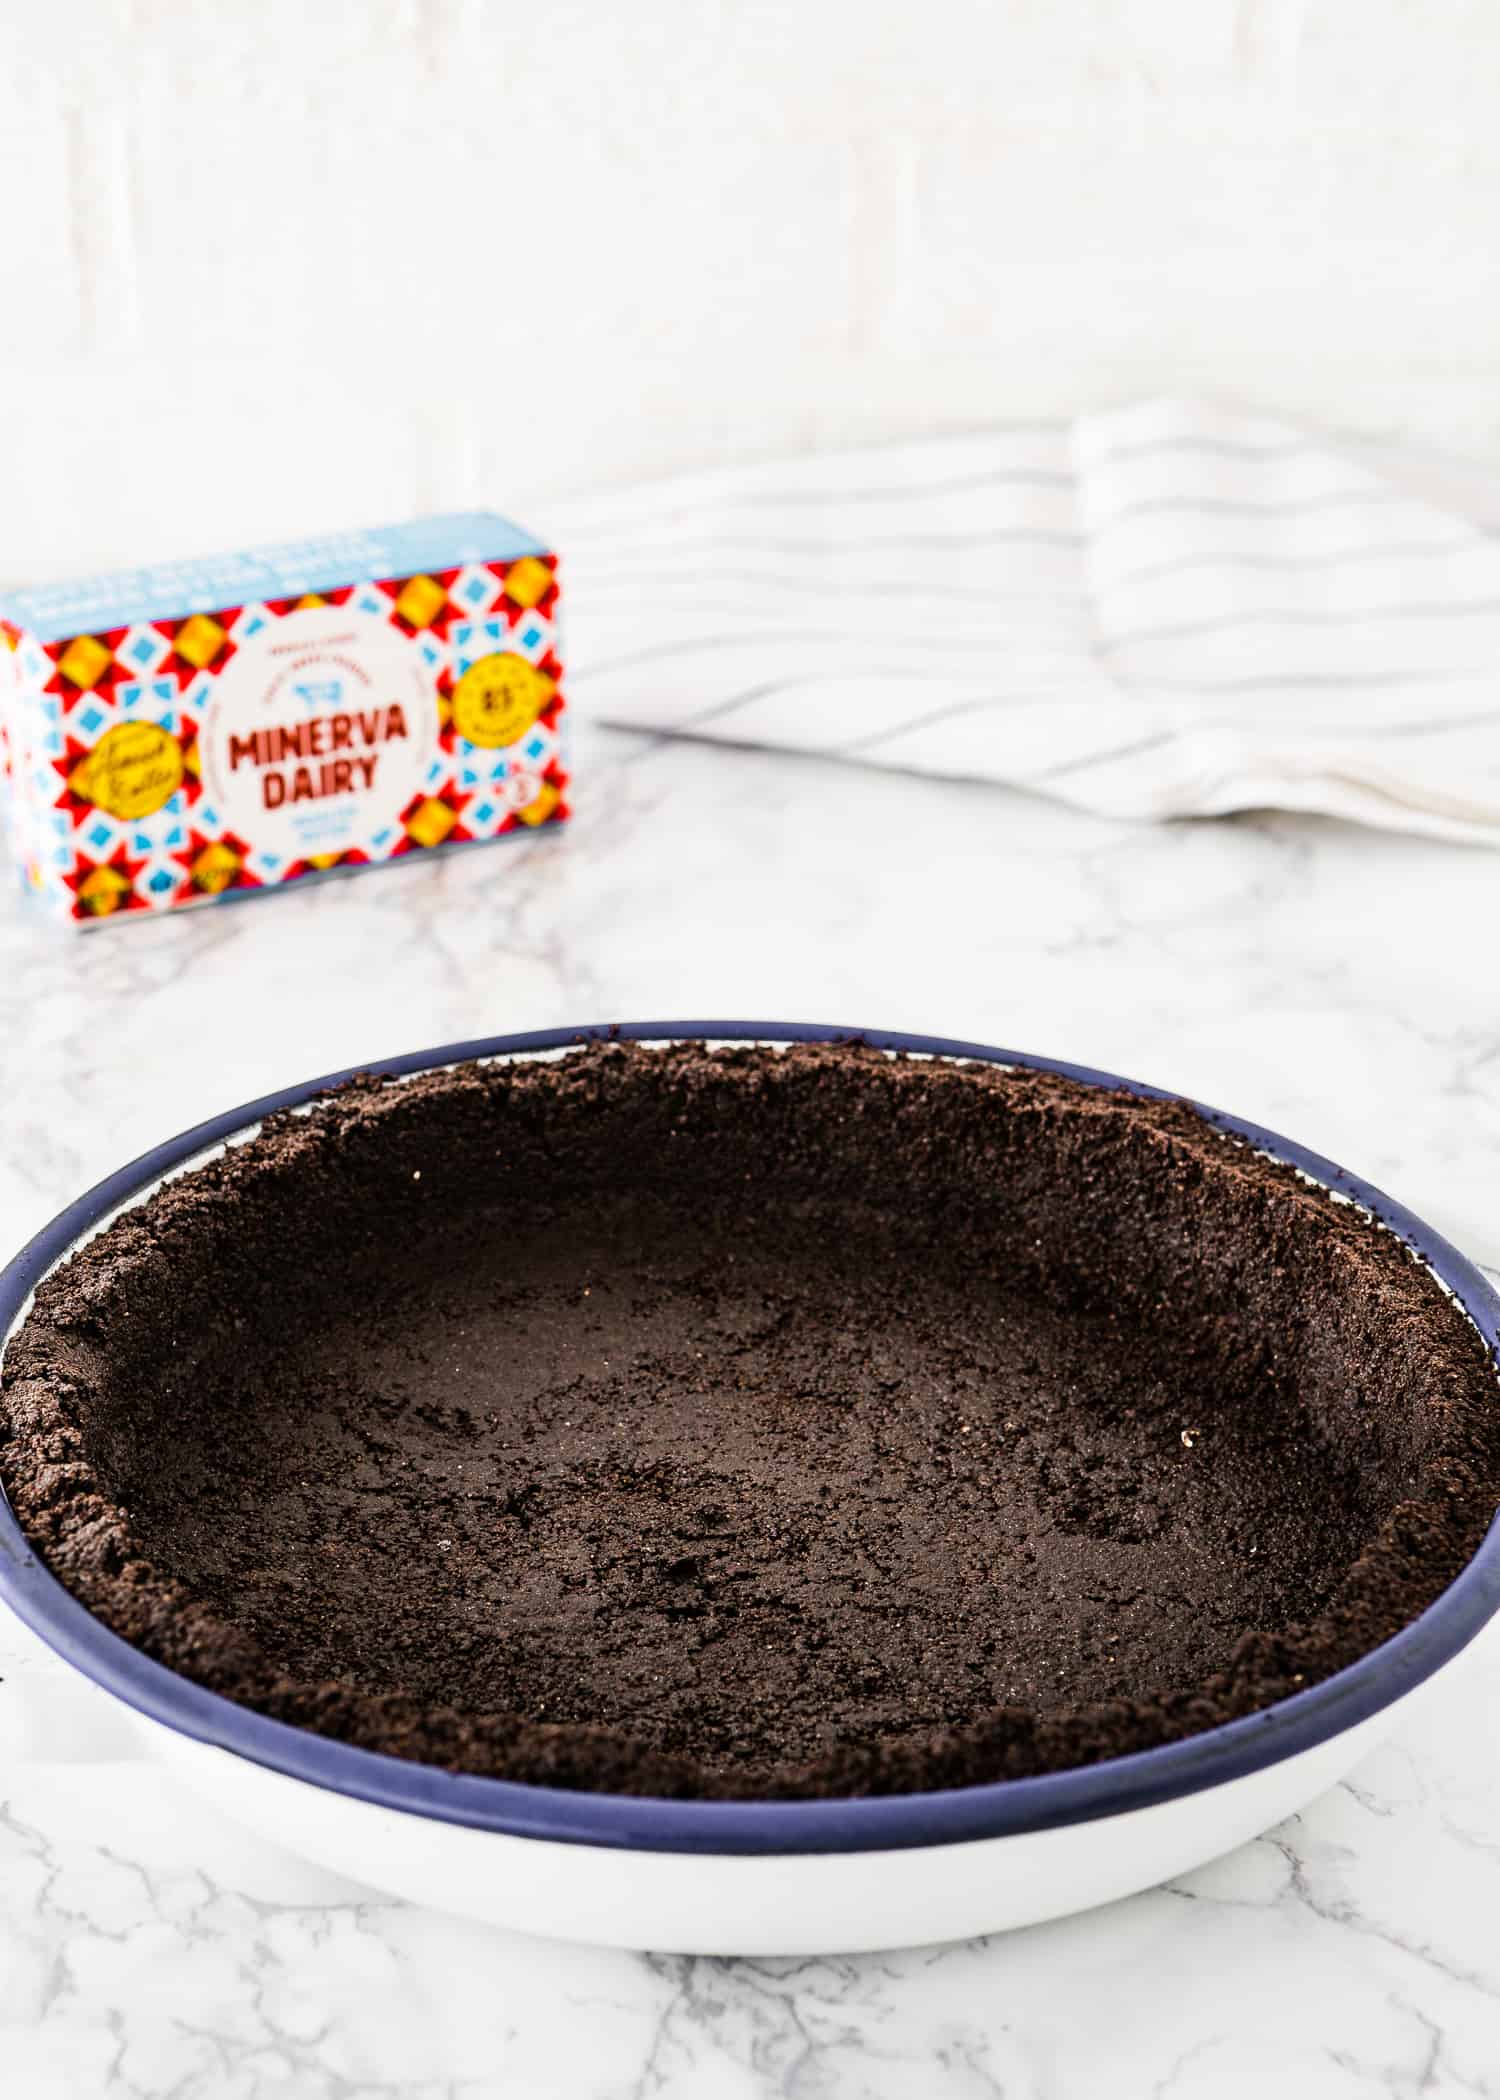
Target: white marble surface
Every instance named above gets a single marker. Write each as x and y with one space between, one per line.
1336 984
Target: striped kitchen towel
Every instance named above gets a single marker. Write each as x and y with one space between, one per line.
1174 609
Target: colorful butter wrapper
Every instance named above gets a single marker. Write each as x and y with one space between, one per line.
195 730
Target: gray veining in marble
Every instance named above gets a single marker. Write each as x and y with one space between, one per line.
1336 984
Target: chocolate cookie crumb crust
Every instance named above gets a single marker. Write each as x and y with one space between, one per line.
749 1423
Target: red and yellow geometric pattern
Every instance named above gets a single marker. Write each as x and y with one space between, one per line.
110 805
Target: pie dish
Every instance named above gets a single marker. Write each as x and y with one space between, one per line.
823 1495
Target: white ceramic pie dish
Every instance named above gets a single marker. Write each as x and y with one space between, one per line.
800 1877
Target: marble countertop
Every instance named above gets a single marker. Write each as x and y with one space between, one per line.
1332 983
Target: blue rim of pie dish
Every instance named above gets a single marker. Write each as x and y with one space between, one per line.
871 1823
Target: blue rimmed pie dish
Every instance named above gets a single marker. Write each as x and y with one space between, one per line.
1175 1443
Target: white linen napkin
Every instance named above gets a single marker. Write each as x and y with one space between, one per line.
1174 609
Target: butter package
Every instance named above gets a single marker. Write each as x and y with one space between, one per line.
195 730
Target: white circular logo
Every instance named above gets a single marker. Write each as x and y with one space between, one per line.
319 733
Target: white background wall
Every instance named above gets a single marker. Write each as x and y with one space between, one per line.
270 265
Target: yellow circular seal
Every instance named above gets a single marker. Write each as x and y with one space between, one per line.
132 770
499 698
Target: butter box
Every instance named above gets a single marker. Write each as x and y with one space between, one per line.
178 734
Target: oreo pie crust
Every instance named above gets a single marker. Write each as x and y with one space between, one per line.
749 1423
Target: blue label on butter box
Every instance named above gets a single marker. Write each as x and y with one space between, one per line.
98 604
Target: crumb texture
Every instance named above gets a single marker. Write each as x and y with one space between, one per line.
749 1423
